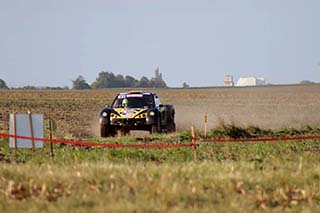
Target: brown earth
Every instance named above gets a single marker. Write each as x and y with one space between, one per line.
265 107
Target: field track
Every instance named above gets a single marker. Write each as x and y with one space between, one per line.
275 176
266 107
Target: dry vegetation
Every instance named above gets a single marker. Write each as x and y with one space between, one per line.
266 107
227 177
145 187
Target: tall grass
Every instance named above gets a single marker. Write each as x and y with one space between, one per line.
145 186
273 176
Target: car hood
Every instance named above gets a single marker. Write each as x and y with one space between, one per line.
130 112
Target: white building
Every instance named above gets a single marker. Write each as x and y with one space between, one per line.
250 81
228 81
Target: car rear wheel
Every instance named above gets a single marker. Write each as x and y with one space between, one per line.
171 127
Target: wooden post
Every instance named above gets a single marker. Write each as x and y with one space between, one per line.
31 130
205 125
1 122
15 131
50 136
194 141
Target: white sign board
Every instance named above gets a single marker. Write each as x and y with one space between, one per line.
20 125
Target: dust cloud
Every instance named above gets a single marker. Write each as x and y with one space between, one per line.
268 107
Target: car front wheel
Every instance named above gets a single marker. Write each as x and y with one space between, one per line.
107 131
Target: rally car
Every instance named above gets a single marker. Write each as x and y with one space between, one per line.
136 110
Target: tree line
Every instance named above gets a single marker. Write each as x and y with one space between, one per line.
110 80
105 80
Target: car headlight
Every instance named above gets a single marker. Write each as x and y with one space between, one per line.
151 113
104 114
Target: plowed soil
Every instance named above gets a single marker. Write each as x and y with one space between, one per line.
77 112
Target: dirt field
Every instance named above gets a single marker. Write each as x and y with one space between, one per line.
266 107
226 177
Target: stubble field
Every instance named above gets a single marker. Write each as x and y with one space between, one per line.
227 177
267 107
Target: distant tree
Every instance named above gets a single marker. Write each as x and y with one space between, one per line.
306 82
109 80
157 83
80 83
144 82
118 81
104 80
185 85
56 88
3 84
131 81
29 87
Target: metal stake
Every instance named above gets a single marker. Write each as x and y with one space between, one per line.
50 136
31 131
194 141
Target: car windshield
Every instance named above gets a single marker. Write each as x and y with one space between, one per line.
143 101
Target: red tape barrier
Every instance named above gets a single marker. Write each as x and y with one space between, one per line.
105 145
225 140
159 146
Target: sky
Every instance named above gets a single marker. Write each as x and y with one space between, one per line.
52 42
